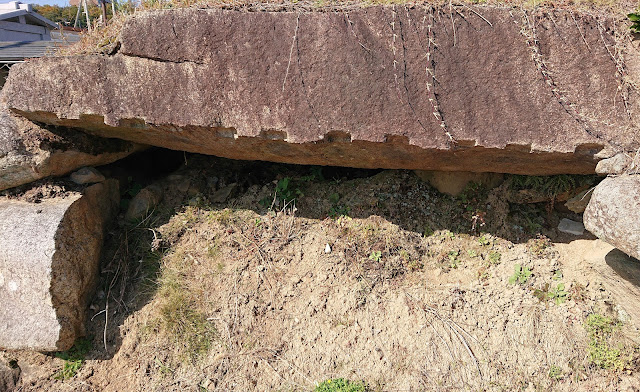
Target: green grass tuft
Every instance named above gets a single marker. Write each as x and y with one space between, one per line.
341 385
73 359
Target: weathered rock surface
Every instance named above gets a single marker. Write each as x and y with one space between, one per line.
620 163
87 175
49 255
29 152
613 213
579 202
144 202
488 90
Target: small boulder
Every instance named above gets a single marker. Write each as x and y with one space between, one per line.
579 202
144 202
49 257
223 193
613 213
87 175
617 164
571 227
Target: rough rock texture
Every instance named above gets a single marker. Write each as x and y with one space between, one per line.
49 254
483 90
613 213
579 202
29 152
86 175
619 164
144 202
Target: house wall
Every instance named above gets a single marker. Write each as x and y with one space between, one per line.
12 31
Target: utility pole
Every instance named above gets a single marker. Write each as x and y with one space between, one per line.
86 12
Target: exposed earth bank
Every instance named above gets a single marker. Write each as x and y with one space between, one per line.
230 284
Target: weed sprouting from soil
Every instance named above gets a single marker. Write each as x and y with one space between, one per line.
73 359
521 275
603 350
341 385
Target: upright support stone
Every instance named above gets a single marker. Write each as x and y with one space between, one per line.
613 213
49 256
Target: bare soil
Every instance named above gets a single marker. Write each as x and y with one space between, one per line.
366 275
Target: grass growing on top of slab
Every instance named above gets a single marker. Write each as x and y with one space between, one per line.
105 39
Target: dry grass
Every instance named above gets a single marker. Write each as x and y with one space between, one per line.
104 40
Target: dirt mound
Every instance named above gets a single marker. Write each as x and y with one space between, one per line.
303 274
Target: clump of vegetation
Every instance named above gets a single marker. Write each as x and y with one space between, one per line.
341 385
180 317
602 352
556 373
337 210
73 359
539 245
551 186
557 294
375 255
520 274
635 18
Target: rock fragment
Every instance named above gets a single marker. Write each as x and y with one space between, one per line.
579 202
29 152
613 213
144 202
571 227
87 175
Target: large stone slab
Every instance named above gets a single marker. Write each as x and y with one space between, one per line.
29 152
49 255
481 90
613 213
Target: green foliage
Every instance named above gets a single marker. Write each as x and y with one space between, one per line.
427 231
556 294
67 15
494 257
286 191
484 241
337 210
635 18
73 359
341 385
601 352
375 255
521 274
556 373
551 186
453 258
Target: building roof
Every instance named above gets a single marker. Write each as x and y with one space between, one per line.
15 9
15 52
